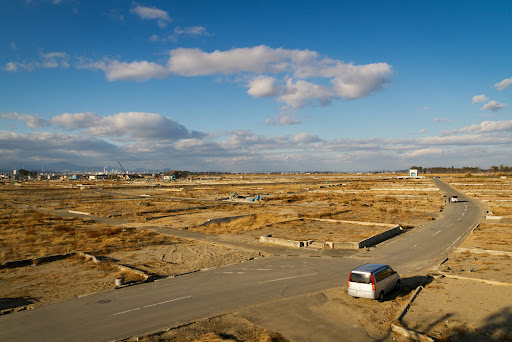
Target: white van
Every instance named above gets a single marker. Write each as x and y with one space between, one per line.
372 281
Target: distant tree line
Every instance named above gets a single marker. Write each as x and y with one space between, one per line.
465 169
26 173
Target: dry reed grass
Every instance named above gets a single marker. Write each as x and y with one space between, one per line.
28 234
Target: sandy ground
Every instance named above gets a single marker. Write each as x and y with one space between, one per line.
448 309
181 258
462 310
460 306
55 281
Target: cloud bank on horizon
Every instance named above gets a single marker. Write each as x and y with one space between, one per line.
299 80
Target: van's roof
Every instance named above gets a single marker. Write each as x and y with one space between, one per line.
369 268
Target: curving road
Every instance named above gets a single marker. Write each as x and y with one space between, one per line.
136 310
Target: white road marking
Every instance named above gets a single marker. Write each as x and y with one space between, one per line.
299 276
413 246
263 269
167 301
391 242
463 214
123 312
150 305
436 233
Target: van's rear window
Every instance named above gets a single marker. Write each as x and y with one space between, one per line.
360 278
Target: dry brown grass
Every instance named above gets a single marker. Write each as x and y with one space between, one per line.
28 234
242 224
187 205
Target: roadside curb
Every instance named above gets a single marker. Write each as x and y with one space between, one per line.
485 281
397 326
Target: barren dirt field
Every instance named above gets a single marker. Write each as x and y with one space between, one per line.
241 207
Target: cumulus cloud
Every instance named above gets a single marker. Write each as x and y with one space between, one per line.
31 120
126 126
132 125
76 120
348 81
152 13
479 98
493 106
296 78
263 86
504 84
300 93
138 71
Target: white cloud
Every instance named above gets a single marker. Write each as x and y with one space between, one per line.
263 86
280 73
423 131
507 82
486 127
55 59
189 31
300 93
31 120
47 60
353 82
130 125
11 66
306 138
152 13
76 120
283 120
493 106
479 98
422 152
138 71
195 62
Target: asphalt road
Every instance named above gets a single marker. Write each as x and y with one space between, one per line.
136 310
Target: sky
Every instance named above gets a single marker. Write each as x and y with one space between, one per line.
252 86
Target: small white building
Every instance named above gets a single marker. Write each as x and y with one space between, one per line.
413 173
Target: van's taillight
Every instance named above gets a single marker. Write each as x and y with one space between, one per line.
349 276
373 283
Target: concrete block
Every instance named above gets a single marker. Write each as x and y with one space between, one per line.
373 240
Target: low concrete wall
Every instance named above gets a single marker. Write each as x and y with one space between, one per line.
354 222
373 240
35 261
281 242
345 245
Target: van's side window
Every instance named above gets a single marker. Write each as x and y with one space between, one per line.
381 275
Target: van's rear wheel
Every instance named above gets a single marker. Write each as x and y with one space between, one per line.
397 286
381 297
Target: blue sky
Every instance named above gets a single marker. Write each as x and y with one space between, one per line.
256 85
